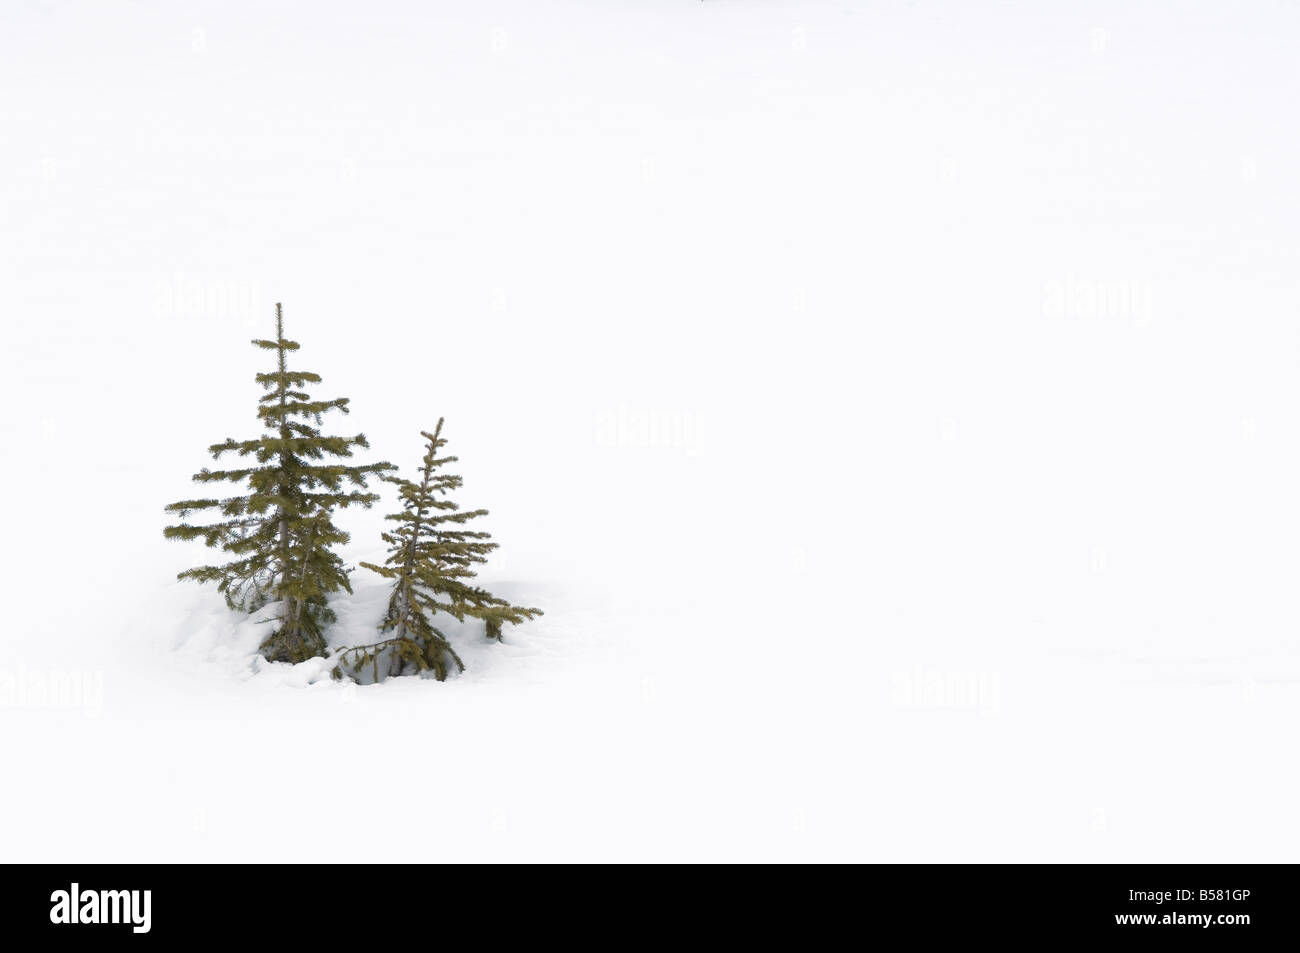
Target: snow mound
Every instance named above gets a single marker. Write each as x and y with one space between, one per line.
205 637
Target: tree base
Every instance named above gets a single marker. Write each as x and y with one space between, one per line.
281 647
369 664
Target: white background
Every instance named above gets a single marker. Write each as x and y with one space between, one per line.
894 405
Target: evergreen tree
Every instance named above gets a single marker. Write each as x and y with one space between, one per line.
431 559
280 532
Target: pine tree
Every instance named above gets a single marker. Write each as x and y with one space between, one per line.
280 533
431 559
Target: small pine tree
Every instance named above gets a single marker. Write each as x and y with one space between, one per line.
431 560
280 532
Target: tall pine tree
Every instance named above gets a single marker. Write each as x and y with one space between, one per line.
431 562
280 532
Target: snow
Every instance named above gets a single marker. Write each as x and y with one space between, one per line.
893 406
206 637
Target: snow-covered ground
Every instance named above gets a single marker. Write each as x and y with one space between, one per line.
893 405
